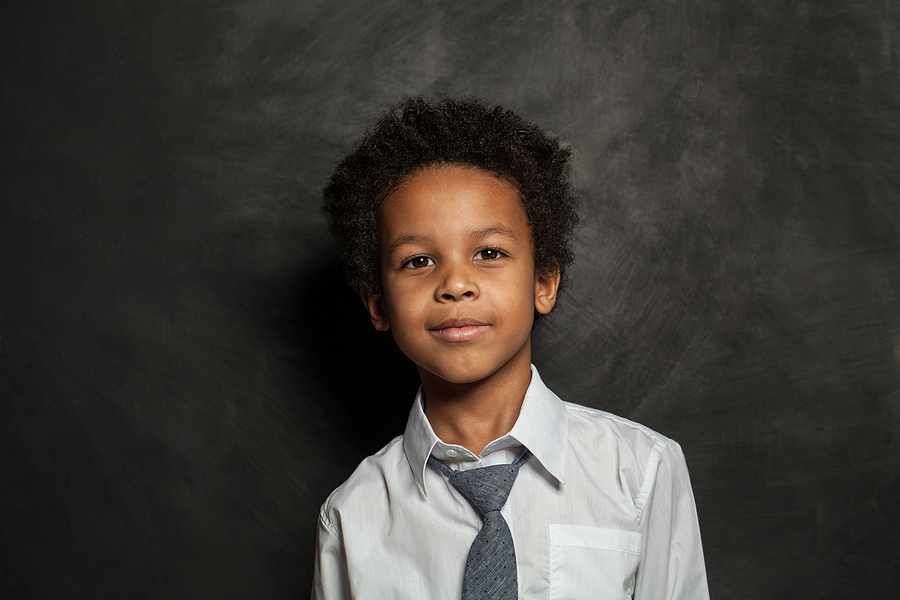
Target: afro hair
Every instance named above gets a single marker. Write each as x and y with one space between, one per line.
414 134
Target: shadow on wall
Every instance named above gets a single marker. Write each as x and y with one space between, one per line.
365 384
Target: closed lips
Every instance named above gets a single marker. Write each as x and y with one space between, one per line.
457 323
456 331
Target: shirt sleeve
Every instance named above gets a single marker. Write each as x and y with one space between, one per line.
671 565
330 577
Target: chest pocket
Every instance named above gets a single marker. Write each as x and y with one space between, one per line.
592 562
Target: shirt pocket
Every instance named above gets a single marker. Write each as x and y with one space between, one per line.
592 562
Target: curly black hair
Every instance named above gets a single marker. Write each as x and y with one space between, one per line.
414 134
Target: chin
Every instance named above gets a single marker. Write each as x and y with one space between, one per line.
462 370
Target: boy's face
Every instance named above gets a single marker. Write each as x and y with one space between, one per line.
455 244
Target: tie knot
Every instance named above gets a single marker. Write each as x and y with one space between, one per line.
486 488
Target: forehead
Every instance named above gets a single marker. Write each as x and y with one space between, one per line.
446 200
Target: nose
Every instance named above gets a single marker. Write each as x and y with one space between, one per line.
457 284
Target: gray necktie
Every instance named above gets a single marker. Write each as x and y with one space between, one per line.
491 564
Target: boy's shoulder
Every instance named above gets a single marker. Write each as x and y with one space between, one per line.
632 453
367 483
588 422
630 431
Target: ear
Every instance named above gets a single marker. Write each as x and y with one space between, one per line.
374 304
545 288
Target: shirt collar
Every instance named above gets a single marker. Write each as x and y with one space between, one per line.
540 427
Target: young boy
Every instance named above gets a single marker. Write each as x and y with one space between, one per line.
454 220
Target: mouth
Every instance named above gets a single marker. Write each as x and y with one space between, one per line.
462 333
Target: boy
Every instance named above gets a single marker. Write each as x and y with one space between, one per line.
454 221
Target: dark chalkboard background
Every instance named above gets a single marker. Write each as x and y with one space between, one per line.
184 379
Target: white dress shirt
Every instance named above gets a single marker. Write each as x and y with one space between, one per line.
602 509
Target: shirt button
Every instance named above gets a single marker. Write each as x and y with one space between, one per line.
452 452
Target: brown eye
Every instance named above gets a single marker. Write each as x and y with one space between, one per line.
415 261
495 253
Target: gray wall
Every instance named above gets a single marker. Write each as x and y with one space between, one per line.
184 379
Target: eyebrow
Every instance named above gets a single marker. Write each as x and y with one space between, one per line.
474 235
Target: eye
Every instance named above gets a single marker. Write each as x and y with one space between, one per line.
495 253
412 261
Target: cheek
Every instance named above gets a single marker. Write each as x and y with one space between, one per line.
513 296
523 282
408 306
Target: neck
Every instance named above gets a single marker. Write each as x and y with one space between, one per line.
476 413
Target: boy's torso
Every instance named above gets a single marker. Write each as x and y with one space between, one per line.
579 537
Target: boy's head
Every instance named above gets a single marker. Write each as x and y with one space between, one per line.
411 206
